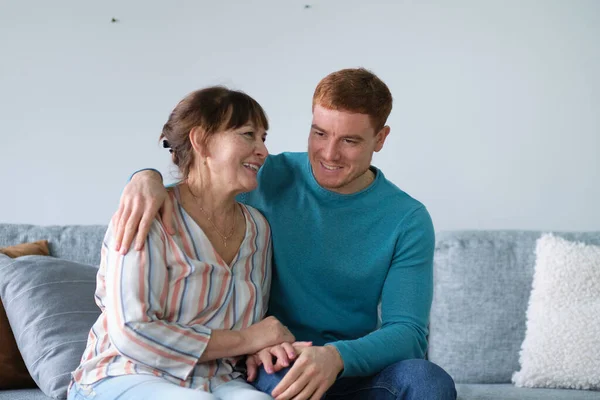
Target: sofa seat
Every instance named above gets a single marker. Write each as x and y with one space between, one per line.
23 394
466 391
507 391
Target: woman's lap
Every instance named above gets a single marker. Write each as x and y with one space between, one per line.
141 387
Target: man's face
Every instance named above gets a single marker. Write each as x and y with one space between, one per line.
340 148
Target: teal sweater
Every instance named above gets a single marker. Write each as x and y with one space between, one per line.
337 256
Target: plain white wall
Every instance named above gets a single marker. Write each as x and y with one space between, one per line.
496 119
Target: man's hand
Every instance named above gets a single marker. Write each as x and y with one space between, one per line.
284 354
141 200
315 370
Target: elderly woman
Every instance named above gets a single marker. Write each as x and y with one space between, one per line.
178 314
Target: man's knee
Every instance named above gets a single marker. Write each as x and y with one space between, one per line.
267 382
420 379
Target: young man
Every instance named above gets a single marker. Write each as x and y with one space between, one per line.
344 240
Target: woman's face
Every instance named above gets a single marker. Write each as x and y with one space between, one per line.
234 157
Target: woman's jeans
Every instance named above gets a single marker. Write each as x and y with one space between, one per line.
406 380
150 387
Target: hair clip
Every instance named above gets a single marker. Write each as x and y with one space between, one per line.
166 145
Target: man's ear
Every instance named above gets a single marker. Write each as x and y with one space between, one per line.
381 136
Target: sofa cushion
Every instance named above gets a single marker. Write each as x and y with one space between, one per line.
562 344
508 391
482 282
39 248
79 243
13 372
23 394
50 305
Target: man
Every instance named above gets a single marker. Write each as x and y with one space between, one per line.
344 240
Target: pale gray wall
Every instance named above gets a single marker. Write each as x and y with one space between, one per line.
496 120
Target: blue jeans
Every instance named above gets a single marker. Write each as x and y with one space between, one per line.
406 380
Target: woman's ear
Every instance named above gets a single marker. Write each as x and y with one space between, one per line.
197 140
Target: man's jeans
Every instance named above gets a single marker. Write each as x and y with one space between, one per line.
406 380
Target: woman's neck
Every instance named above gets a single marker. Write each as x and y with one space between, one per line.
219 204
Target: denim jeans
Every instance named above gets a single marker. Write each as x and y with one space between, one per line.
406 380
150 387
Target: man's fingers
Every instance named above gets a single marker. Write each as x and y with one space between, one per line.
166 214
307 392
131 225
120 228
114 221
318 395
143 231
288 380
297 390
298 346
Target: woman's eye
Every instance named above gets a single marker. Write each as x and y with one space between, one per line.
250 134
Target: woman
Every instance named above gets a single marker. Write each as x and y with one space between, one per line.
177 314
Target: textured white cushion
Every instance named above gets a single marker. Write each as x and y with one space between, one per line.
562 344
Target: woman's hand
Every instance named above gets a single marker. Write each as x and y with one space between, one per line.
284 354
143 197
266 333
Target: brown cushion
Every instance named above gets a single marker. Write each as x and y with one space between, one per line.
39 248
13 373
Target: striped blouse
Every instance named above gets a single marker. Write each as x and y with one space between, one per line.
160 304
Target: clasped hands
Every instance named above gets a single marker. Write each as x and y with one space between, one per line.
314 370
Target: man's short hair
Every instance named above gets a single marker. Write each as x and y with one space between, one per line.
355 90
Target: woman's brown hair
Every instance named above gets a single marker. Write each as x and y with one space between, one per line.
213 109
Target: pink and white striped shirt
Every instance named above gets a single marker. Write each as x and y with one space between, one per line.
159 305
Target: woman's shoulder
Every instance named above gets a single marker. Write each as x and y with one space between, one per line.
256 216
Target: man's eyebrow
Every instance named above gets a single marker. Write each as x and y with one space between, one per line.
354 137
357 138
316 127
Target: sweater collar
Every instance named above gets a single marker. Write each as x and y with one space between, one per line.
326 193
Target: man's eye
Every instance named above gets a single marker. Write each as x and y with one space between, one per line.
350 141
319 133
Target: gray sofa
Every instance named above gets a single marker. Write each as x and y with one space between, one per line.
482 285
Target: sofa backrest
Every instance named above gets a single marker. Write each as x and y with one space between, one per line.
482 282
80 243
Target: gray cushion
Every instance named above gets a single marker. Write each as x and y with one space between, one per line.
509 392
79 243
25 394
482 282
50 305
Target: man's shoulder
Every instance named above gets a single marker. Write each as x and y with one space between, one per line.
401 209
282 168
287 159
396 197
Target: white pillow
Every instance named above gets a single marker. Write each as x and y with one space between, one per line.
562 343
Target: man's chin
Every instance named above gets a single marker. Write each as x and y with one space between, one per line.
329 184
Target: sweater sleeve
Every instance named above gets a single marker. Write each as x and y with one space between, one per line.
136 286
405 303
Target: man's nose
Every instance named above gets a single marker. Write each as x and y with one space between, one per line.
331 151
